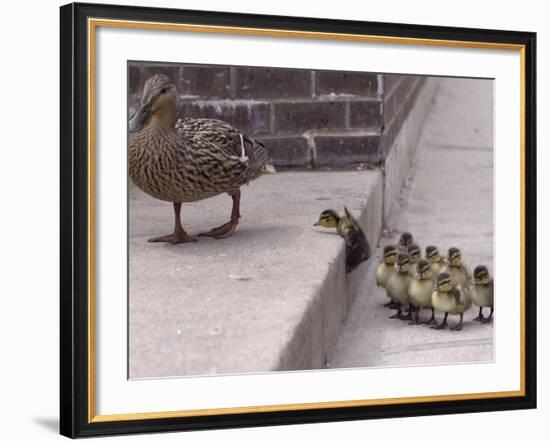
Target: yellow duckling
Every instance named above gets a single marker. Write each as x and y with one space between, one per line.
357 245
420 291
386 269
482 292
398 285
437 263
405 240
450 299
456 269
414 253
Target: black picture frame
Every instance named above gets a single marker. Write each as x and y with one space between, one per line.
75 414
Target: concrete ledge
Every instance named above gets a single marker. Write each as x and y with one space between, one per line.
274 296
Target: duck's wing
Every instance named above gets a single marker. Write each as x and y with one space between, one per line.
462 295
358 234
223 136
357 245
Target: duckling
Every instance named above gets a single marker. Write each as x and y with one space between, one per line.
357 245
420 291
436 261
398 285
414 253
191 159
405 240
482 292
450 299
456 269
386 269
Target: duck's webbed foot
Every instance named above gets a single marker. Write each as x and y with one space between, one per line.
222 231
432 320
230 227
175 237
179 235
488 319
398 314
409 312
391 304
480 317
459 326
443 324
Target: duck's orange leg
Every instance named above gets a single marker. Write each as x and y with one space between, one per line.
179 235
230 227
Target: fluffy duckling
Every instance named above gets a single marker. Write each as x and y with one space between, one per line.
405 240
436 261
450 299
420 291
415 254
456 269
386 269
398 285
357 245
482 292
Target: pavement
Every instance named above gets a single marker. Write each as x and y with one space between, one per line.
272 296
447 201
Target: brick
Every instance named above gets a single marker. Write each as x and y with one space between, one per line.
299 117
287 151
345 150
391 130
205 82
355 83
250 117
255 82
366 114
390 81
397 97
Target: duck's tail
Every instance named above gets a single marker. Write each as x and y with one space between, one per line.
268 169
257 155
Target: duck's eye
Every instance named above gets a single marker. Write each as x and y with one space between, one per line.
163 91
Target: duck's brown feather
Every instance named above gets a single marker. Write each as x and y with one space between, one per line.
201 158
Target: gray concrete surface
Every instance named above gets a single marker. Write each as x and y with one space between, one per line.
448 201
403 151
273 296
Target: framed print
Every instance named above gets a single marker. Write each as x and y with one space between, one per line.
275 220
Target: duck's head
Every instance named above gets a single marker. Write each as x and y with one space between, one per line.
390 255
405 240
454 257
414 252
423 271
481 275
159 100
328 219
402 263
432 254
444 282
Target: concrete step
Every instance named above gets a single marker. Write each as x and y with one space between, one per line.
272 297
448 202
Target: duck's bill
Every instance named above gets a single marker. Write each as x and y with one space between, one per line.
138 120
316 224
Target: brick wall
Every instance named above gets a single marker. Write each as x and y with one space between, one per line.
305 118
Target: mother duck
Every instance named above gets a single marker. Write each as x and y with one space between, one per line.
187 160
